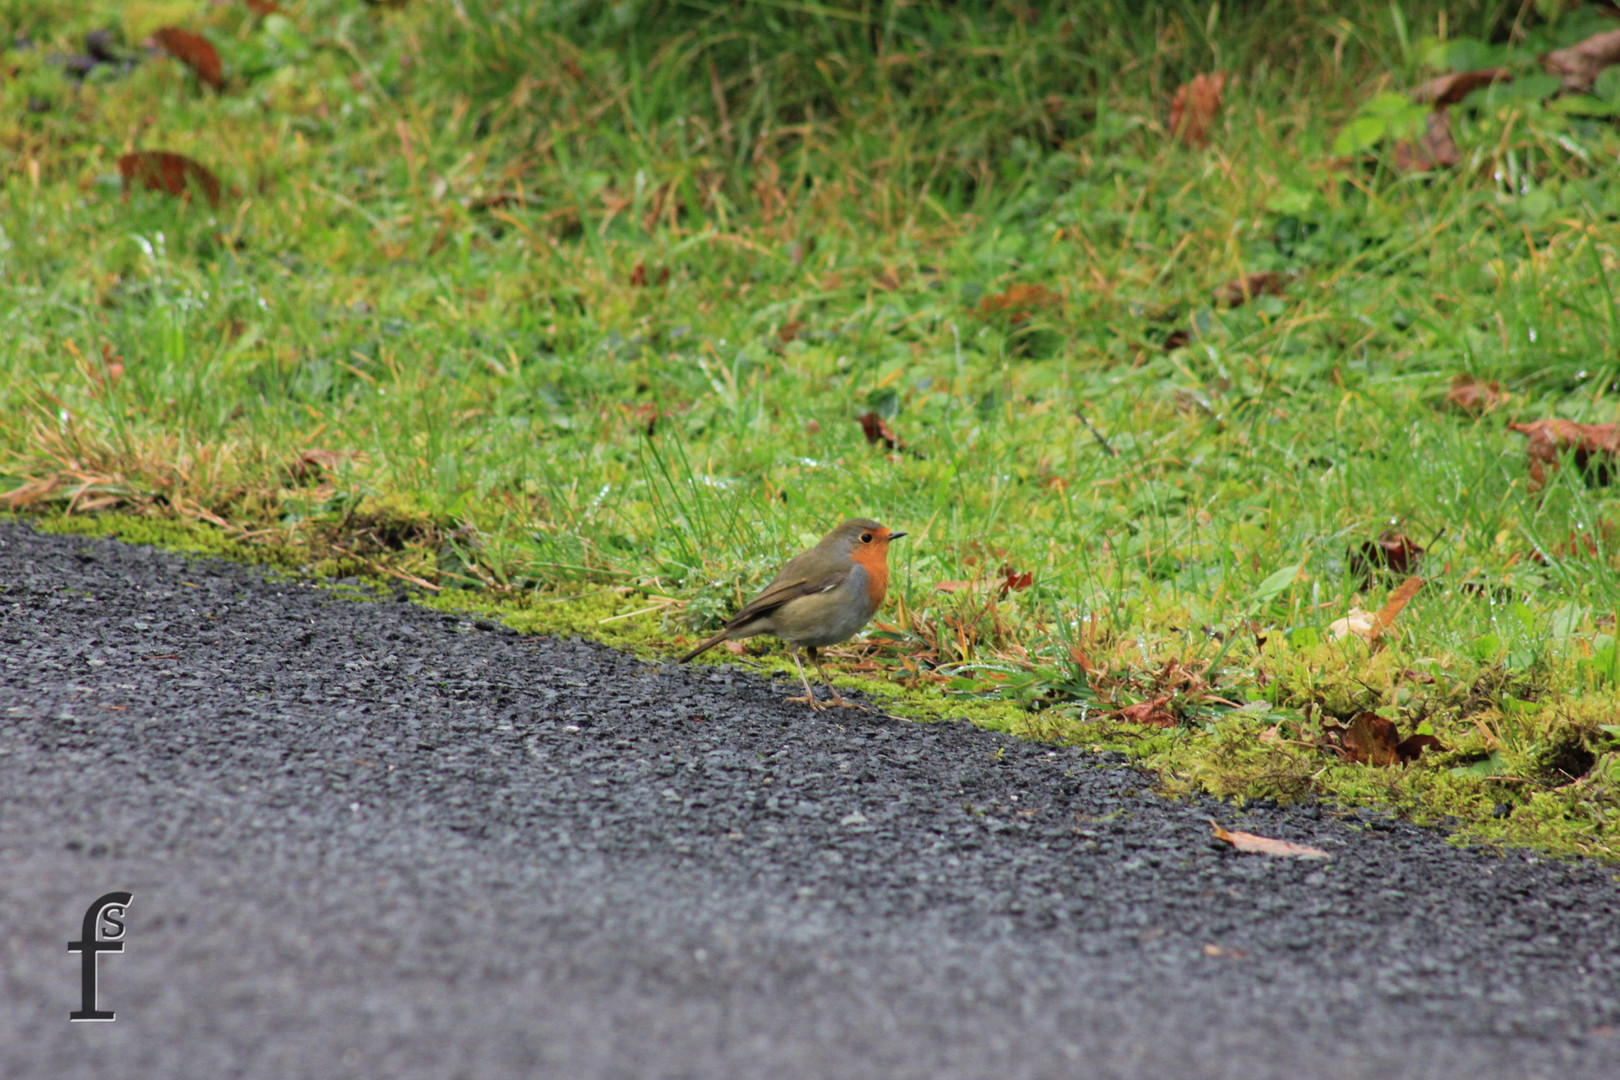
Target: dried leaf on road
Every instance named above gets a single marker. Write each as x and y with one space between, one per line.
1251 844
1194 107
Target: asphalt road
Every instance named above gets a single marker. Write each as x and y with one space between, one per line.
370 840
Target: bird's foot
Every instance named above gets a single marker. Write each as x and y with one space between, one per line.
808 699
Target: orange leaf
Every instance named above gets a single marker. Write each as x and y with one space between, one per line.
1194 106
1450 89
1396 604
1251 844
160 170
195 52
1019 302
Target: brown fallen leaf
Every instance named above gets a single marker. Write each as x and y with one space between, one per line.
1012 580
789 330
262 8
1250 844
1392 552
1194 107
1371 739
952 586
195 52
1472 396
1151 712
1450 89
1397 602
1019 302
1435 150
1580 64
1240 291
160 170
878 431
1412 747
1594 447
1176 339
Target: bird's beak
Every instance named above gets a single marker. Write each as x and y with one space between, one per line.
896 536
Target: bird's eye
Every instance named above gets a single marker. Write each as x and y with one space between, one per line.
866 538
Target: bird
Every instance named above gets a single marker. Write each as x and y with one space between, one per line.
821 597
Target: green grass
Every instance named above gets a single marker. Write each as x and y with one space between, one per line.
428 271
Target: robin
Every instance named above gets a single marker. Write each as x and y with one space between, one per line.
821 597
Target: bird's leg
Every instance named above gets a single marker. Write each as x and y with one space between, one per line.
809 694
838 699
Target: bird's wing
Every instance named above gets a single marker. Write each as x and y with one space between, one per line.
779 592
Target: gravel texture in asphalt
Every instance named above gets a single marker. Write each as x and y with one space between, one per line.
367 839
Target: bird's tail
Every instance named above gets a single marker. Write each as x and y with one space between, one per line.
705 647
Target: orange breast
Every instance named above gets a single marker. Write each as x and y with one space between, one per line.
874 558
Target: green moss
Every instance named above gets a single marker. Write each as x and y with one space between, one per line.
188 537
